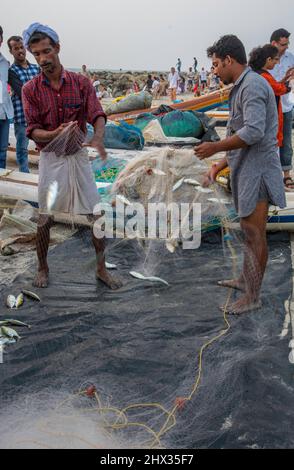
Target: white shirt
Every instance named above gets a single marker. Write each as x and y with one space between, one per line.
155 84
173 80
6 107
203 75
279 72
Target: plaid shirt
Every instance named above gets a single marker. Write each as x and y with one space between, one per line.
46 108
25 75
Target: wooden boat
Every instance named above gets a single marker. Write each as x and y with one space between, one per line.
23 186
202 103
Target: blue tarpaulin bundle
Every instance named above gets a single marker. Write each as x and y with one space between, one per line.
122 136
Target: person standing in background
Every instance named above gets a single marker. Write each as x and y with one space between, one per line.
6 107
280 39
195 64
173 80
262 60
203 79
20 73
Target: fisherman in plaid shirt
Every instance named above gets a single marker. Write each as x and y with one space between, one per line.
20 73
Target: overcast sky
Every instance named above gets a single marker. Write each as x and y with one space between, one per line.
149 34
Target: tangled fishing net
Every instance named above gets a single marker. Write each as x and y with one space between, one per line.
159 366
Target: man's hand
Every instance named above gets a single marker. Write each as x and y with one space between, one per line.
97 143
66 126
205 150
210 176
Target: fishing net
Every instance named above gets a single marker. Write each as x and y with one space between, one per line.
152 365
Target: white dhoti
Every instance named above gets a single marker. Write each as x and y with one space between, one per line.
77 191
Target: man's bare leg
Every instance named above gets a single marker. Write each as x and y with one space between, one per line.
43 239
255 259
237 284
102 274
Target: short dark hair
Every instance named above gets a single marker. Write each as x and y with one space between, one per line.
1 32
13 38
280 33
37 37
259 56
229 45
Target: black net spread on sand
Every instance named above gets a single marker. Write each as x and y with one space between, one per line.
141 345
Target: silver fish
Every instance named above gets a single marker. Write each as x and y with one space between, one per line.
192 182
52 195
31 295
9 333
218 201
171 246
178 184
11 301
4 341
123 199
150 279
204 190
110 266
158 172
19 301
14 323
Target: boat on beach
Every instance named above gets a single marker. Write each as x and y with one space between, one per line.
202 104
22 186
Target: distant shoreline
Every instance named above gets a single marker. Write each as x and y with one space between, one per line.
93 70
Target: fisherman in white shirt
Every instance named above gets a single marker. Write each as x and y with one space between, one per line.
280 39
173 80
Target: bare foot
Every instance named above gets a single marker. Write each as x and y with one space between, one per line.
41 280
110 281
237 284
242 306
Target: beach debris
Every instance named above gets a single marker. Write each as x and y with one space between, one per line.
204 190
11 301
192 182
110 266
31 295
178 184
149 279
9 333
123 199
158 172
52 195
19 301
14 323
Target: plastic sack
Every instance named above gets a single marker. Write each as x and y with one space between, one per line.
181 124
132 102
122 136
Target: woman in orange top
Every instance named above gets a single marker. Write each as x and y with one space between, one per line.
262 60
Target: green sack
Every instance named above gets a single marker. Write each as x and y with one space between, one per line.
181 124
143 120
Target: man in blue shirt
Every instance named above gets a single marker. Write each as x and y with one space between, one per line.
6 108
20 73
